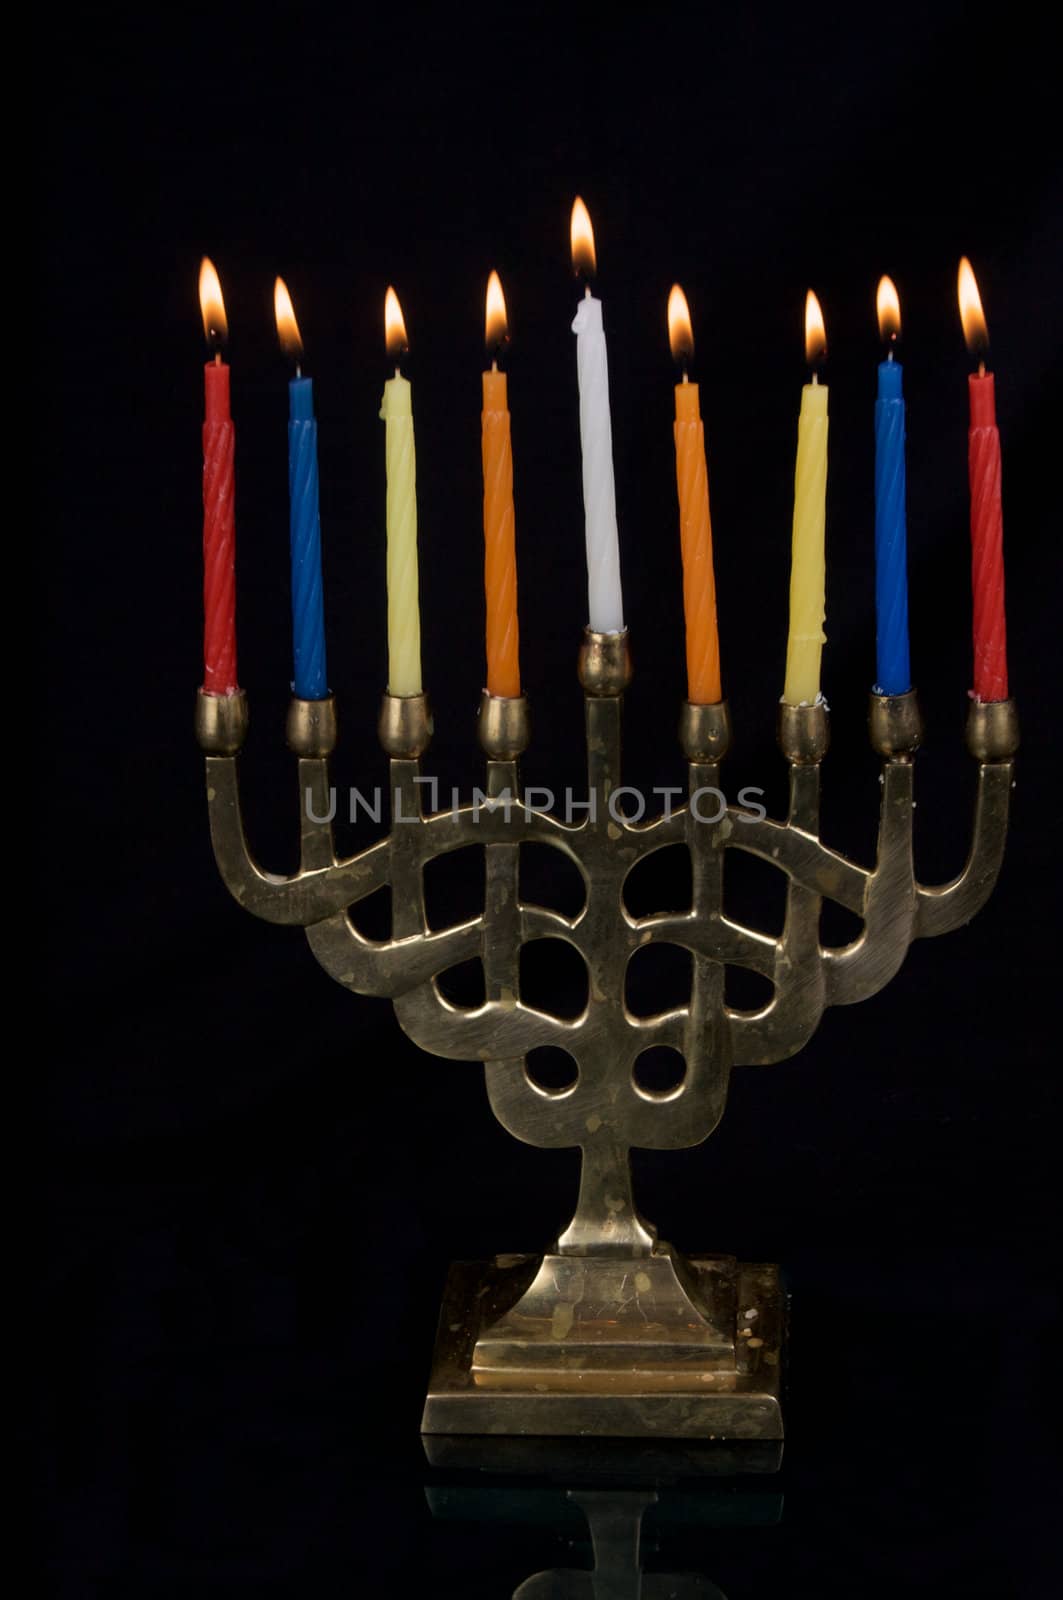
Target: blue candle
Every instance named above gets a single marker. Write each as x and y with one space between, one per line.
309 678
892 669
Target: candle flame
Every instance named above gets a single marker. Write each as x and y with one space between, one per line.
496 323
211 304
888 306
287 327
394 326
680 330
584 260
972 316
815 332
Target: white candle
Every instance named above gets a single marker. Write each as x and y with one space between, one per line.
606 604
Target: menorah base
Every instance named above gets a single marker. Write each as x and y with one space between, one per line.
700 1361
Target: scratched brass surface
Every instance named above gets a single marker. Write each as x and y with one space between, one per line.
716 1377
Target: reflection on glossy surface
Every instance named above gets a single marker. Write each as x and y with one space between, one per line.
620 1520
615 1521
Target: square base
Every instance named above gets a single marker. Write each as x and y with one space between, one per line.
736 1399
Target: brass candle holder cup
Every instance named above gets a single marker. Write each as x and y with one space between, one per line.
611 1331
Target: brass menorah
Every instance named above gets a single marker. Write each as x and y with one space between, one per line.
612 1331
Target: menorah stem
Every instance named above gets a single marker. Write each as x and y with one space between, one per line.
804 799
604 672
706 857
503 732
603 718
310 733
606 1221
706 1040
407 887
501 942
315 802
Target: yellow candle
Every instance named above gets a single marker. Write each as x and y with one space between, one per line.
808 570
404 615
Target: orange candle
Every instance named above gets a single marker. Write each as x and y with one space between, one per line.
695 527
500 556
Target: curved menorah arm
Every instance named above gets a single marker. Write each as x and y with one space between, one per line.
782 1027
804 857
306 896
389 967
719 940
498 1028
940 910
865 966
324 887
893 907
897 909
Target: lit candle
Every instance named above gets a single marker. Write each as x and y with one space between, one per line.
807 571
500 557
606 604
892 668
987 523
404 615
219 530
695 527
309 678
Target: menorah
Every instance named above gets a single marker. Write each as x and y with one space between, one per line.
612 1331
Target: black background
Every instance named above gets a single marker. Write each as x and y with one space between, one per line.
255 1180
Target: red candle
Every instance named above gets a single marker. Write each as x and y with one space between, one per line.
987 523
219 531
